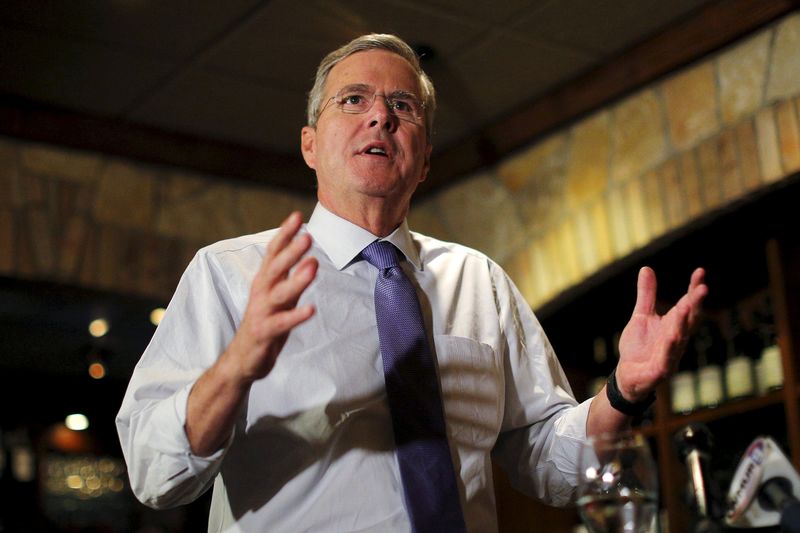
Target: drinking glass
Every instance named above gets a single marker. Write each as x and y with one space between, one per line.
618 484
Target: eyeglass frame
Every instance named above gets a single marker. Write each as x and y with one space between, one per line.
389 100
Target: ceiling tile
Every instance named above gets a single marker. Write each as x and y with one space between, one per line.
206 103
502 72
169 29
285 41
601 27
75 75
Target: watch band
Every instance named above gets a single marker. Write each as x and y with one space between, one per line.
619 402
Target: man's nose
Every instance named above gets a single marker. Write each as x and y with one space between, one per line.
381 114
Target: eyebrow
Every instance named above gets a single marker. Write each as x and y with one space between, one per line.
400 93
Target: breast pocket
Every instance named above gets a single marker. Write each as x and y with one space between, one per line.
472 390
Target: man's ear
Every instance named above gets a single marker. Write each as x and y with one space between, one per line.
308 146
427 165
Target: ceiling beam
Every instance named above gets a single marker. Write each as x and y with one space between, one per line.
32 121
710 28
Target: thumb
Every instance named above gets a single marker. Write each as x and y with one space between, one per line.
645 292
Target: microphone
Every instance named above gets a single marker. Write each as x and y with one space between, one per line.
693 443
765 489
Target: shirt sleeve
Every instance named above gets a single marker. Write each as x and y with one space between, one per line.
197 326
543 425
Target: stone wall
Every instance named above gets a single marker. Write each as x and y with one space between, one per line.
552 214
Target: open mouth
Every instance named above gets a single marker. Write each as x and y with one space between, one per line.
377 149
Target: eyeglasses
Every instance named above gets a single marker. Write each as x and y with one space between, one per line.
358 99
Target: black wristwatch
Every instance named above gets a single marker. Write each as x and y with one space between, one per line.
619 402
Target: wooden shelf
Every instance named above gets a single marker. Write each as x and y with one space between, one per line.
728 409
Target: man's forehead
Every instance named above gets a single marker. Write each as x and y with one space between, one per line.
368 67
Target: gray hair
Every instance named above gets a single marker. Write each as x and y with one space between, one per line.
373 41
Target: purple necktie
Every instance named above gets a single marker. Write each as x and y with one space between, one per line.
429 480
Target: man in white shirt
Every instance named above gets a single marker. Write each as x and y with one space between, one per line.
265 376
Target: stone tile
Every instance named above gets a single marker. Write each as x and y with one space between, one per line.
621 240
31 191
784 70
9 172
637 221
109 257
587 173
60 163
8 188
543 158
690 177
655 208
40 235
748 155
493 225
153 272
535 180
557 278
27 266
742 74
89 266
261 208
768 148
690 98
204 215
566 237
425 217
601 231
637 133
674 196
73 199
518 267
708 157
125 195
586 241
789 136
71 245
731 183
8 251
541 285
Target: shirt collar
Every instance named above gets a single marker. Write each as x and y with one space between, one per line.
342 240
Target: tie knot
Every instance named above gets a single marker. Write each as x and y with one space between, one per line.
380 254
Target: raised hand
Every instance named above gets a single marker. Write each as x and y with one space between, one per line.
651 344
272 310
269 317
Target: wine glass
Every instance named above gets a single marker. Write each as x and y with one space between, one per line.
618 484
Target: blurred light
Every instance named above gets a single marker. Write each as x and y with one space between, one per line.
591 473
97 370
74 482
77 422
608 478
156 315
98 327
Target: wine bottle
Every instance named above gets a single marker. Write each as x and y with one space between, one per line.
739 365
769 370
710 356
683 385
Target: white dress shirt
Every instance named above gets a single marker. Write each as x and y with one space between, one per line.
313 447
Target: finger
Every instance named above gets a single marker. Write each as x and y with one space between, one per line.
645 292
288 229
283 238
286 293
282 323
278 268
697 278
696 294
